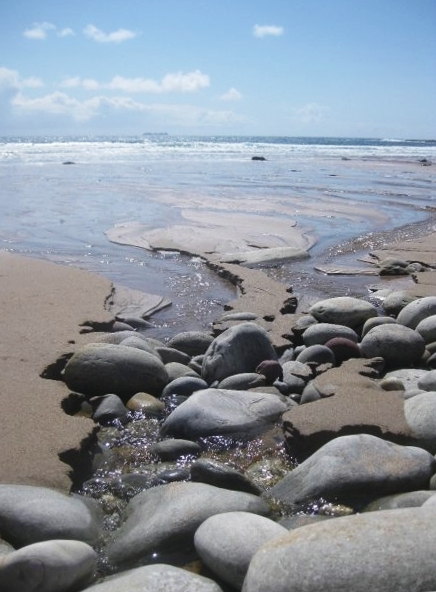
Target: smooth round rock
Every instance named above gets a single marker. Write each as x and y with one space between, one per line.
174 449
343 349
320 333
316 354
192 343
31 514
427 329
271 370
427 381
397 344
343 310
163 519
185 386
98 369
374 322
242 382
218 474
238 350
157 578
49 566
385 551
395 301
412 314
420 414
145 403
227 542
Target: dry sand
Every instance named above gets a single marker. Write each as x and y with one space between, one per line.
43 308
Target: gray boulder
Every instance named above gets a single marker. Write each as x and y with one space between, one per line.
215 412
192 343
227 542
49 566
427 329
98 369
353 466
395 301
427 381
316 354
414 312
375 322
398 345
32 514
385 551
107 408
320 333
170 354
164 519
239 349
157 578
168 450
218 474
177 370
343 310
420 413
411 499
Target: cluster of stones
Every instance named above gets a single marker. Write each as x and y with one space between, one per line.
357 513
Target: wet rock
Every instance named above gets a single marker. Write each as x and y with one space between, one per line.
174 449
239 349
164 519
320 333
412 314
213 412
343 310
49 566
145 403
157 578
98 369
108 408
389 551
412 499
242 382
33 514
184 385
355 466
218 474
192 343
397 344
227 542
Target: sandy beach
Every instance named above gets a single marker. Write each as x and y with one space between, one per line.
45 306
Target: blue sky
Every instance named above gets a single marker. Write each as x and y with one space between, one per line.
255 67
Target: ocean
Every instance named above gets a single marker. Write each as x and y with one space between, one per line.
59 196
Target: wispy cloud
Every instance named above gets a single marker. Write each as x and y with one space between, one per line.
231 95
39 30
67 32
10 79
92 32
170 83
264 30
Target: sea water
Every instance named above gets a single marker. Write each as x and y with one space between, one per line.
58 197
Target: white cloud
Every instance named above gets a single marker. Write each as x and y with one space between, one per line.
231 95
10 79
58 104
39 30
67 32
92 32
264 30
311 113
170 83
